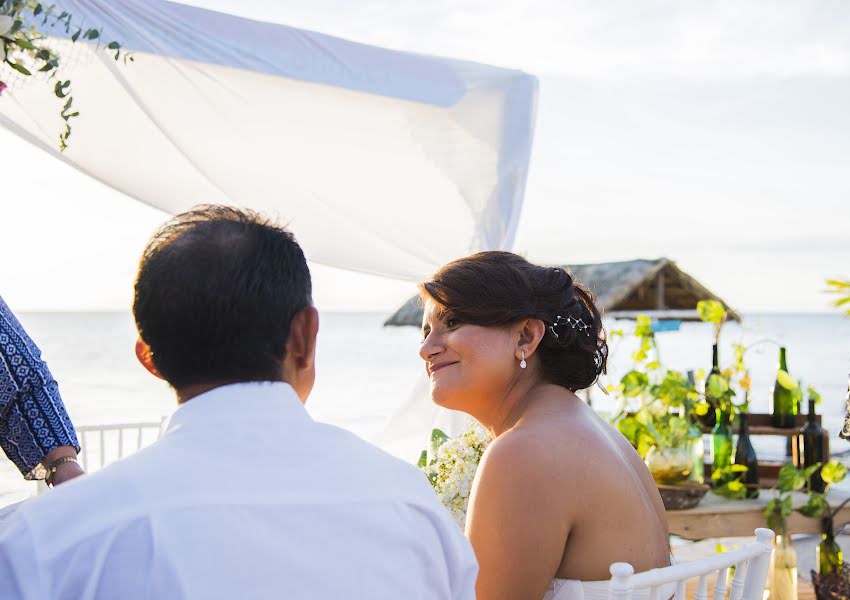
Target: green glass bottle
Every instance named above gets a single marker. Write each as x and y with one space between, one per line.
709 419
784 410
828 554
721 445
745 455
813 447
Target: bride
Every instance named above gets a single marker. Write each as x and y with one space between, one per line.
559 494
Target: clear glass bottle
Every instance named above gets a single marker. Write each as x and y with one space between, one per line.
782 578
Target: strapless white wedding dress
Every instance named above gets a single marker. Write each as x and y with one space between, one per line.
571 589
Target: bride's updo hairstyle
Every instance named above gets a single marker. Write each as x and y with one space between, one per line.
500 288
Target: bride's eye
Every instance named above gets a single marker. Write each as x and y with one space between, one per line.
451 323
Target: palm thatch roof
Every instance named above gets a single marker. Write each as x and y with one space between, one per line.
657 288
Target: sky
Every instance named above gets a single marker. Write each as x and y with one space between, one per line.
716 133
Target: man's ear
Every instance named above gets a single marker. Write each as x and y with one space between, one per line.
301 345
145 356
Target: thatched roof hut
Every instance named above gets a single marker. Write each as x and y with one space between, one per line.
657 288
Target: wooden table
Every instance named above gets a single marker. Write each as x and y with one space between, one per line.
716 516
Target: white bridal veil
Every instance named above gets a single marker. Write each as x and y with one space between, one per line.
360 149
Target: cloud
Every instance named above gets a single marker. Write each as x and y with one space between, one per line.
601 39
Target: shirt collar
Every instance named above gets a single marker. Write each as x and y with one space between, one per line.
272 401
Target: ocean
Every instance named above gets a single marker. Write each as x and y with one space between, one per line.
365 370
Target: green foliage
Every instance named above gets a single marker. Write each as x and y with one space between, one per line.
662 397
813 394
785 380
792 479
712 311
25 48
731 486
816 507
842 289
833 472
777 512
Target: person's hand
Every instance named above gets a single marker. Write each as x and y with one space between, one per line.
67 470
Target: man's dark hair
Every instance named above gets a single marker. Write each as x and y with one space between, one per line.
216 292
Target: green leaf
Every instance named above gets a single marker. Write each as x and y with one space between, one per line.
701 408
438 436
634 383
790 479
716 387
60 87
19 68
786 506
738 468
815 507
813 394
114 45
92 34
25 43
423 460
711 311
833 472
786 381
37 10
809 471
76 35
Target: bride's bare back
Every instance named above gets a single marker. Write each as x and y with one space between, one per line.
558 494
562 493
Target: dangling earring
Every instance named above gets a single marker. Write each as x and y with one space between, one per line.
522 363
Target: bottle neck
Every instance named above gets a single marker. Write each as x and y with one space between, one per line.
715 363
812 414
744 422
782 364
826 527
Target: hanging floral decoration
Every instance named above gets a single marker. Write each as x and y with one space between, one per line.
25 50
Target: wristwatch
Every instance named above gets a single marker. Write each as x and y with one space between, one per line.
54 466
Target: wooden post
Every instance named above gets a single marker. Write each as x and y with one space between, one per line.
620 587
659 292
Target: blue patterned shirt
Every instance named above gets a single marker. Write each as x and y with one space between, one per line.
33 419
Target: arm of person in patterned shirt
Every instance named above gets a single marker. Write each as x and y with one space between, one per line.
35 430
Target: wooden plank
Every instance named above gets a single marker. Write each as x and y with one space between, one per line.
718 517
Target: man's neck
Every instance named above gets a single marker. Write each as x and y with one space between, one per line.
184 394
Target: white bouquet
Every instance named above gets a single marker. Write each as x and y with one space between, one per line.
451 464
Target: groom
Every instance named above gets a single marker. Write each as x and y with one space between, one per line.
244 496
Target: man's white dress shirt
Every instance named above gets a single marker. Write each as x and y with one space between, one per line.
245 496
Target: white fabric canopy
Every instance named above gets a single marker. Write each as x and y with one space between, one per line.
382 162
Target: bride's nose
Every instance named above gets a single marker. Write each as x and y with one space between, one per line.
431 347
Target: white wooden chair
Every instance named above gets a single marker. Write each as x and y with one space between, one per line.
751 566
103 444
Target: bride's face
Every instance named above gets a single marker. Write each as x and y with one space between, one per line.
470 366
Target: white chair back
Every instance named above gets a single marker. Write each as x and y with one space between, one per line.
103 444
751 565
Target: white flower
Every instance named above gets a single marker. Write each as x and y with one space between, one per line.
453 466
6 23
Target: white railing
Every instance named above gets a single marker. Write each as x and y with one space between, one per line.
103 444
751 565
